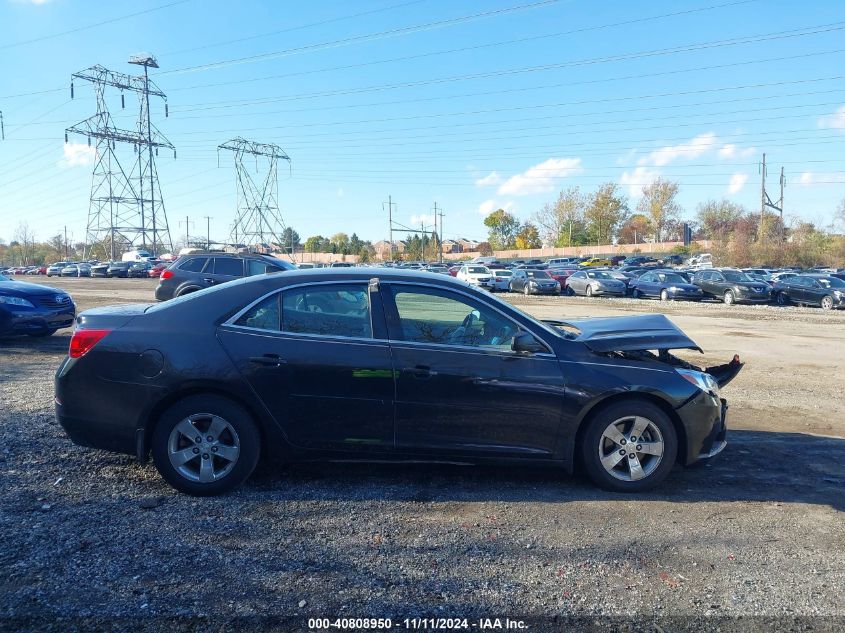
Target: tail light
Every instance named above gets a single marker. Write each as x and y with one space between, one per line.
166 274
83 341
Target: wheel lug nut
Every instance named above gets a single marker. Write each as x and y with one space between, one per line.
623 442
196 450
205 455
622 451
213 449
631 456
639 447
209 438
633 438
198 440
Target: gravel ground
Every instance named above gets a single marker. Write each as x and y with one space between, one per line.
757 532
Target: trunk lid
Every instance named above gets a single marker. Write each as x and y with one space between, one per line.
110 317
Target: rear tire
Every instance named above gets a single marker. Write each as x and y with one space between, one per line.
195 464
605 446
636 294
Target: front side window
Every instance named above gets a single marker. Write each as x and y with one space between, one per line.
329 310
428 315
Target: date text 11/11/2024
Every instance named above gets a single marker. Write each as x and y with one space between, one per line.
416 624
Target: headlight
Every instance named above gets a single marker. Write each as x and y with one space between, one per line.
702 380
839 294
15 301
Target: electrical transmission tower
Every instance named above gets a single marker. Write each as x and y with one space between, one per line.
126 208
258 218
766 201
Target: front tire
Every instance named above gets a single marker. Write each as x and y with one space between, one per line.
636 294
729 298
205 445
606 452
589 291
827 302
526 290
782 299
664 295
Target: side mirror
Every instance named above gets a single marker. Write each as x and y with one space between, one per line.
526 343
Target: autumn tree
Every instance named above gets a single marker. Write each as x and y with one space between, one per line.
503 229
634 229
340 243
718 218
606 209
660 206
562 223
528 237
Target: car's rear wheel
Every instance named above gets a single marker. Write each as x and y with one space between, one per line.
827 302
729 298
186 291
629 446
782 299
205 445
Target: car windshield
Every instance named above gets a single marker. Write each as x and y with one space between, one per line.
735 275
830 282
672 278
598 274
478 270
537 274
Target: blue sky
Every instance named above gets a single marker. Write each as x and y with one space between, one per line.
473 105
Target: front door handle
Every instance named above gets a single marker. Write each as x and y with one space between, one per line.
208 280
422 372
270 360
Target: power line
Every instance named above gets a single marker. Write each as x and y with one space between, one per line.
364 38
91 26
496 44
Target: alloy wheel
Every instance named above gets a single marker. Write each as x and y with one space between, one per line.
729 298
782 299
203 448
631 448
827 303
664 296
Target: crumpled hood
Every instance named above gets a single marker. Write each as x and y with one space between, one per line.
631 333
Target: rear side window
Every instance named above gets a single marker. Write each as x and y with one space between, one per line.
230 266
257 267
263 316
194 265
329 310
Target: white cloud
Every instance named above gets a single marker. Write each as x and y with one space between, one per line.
491 179
416 220
636 179
835 121
488 206
693 149
737 182
729 150
809 178
540 178
77 155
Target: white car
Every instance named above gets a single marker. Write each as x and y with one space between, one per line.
476 275
501 278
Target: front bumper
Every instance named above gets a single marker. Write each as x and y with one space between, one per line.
35 320
616 292
704 419
753 297
541 290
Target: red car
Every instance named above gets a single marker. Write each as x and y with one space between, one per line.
454 270
155 271
560 275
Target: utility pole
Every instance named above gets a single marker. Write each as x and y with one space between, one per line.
766 201
439 213
187 230
2 129
390 222
207 232
66 251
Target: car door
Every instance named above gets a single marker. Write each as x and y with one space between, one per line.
645 284
578 282
460 389
812 291
223 269
317 356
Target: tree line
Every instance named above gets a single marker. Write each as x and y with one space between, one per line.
606 216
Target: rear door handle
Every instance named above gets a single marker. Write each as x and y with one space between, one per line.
270 360
422 372
208 280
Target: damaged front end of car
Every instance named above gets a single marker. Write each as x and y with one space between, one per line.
651 338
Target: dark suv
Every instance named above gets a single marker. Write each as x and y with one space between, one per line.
200 270
731 286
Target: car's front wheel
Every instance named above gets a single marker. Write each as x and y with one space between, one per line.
782 299
629 446
827 302
729 298
589 290
526 290
205 445
664 295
